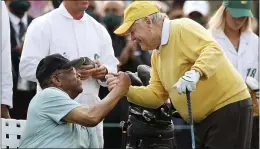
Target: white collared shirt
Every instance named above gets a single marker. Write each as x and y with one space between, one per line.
58 32
6 68
15 23
246 59
165 33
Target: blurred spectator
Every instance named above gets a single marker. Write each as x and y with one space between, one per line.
23 90
175 13
231 27
197 11
39 7
92 10
56 3
6 66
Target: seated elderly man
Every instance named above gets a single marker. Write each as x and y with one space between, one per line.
54 119
188 58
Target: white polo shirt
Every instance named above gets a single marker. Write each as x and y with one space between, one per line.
245 60
58 32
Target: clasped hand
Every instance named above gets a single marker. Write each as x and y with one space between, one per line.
114 80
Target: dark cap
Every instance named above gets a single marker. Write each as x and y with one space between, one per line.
53 62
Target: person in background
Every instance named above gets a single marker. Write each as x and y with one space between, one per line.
175 14
92 11
231 27
55 120
6 65
188 58
70 31
23 90
197 11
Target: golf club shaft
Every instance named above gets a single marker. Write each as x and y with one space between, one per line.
190 119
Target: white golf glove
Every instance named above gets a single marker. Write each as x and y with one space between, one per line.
188 81
252 83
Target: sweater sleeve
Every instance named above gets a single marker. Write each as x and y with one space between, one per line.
152 96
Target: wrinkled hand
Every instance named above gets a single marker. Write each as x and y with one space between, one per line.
188 81
86 71
100 71
112 80
123 84
5 112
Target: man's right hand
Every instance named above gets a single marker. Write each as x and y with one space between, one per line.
5 112
86 71
123 83
112 80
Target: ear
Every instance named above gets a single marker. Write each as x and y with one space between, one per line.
56 81
148 20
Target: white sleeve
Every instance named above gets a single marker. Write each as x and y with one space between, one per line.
36 46
6 67
107 57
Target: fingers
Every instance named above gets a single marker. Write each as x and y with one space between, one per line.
111 87
112 80
86 67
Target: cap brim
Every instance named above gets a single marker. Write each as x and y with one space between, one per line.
237 13
123 29
77 63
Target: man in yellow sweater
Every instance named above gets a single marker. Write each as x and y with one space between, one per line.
186 56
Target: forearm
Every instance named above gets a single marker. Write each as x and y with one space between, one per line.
92 116
147 96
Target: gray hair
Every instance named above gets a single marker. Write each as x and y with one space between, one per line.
156 17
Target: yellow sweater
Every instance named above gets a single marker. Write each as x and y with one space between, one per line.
190 46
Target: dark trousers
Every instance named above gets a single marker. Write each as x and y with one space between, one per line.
21 100
227 128
255 133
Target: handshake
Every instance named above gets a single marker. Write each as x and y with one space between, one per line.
118 81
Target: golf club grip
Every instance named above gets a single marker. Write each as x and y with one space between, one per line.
190 118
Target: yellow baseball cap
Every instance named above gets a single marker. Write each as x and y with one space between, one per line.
135 11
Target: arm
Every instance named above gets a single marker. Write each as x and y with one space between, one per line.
93 115
201 49
6 67
152 96
107 57
36 46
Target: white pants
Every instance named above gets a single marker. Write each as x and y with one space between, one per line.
88 100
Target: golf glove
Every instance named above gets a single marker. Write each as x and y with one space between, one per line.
188 81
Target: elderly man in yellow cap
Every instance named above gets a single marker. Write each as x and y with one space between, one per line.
186 57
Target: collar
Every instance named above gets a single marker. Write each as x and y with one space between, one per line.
15 20
65 13
165 33
220 34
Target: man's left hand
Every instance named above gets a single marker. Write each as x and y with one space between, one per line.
100 71
188 81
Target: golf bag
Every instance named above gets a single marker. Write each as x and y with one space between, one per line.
147 128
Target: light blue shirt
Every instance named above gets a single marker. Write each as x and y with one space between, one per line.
45 127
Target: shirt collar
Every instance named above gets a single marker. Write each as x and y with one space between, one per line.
220 34
165 33
64 12
15 20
